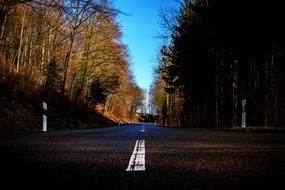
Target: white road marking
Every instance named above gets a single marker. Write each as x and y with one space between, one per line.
137 160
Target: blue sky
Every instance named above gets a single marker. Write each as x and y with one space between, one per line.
140 29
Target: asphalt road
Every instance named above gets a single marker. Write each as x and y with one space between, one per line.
174 159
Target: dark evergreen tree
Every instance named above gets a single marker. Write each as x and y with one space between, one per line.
53 79
101 87
221 53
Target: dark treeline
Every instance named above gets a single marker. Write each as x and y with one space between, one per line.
222 52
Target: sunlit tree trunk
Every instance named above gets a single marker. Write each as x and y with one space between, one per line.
85 62
20 43
3 24
66 62
49 45
30 55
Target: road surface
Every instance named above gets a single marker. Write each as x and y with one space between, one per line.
169 159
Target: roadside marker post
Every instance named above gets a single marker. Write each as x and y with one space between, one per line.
44 117
243 116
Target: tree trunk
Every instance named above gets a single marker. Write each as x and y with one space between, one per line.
66 63
20 45
235 94
3 25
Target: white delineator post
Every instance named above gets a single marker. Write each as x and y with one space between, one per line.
243 116
44 117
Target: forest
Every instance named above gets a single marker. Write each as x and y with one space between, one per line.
68 54
217 54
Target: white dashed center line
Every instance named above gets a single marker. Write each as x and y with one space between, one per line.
137 160
142 130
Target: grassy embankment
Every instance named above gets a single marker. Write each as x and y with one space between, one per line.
21 108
